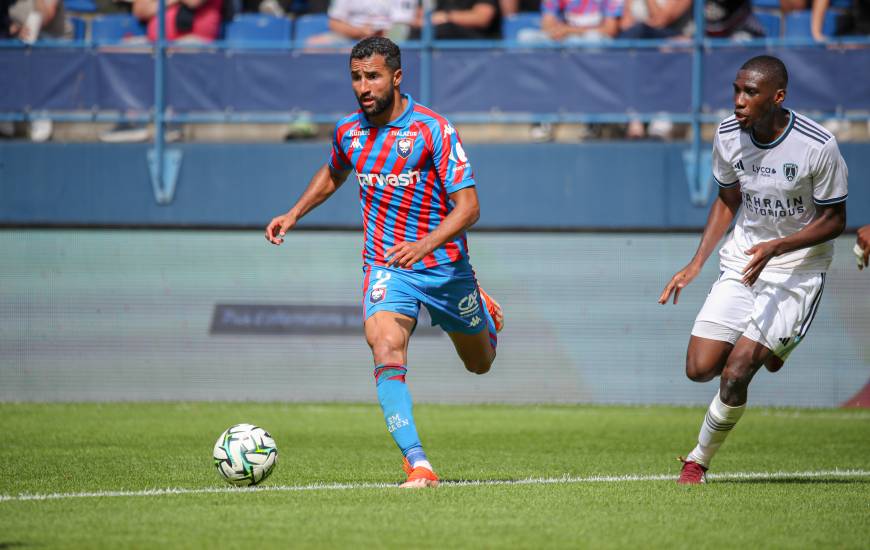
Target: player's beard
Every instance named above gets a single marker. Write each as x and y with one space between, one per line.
380 105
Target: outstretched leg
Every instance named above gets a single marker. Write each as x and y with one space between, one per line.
388 334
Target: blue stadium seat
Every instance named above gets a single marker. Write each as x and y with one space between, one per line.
771 22
80 28
309 25
257 28
798 24
768 4
113 28
81 6
513 24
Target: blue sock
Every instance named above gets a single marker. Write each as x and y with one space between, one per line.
395 400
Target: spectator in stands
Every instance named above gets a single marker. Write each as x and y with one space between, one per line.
657 19
5 22
186 20
467 19
31 19
856 20
353 20
576 21
512 7
192 21
731 19
34 19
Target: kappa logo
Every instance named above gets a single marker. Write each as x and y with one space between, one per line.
739 165
377 294
468 305
790 169
474 321
355 144
404 146
449 130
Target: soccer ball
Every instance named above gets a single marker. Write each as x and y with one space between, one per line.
245 454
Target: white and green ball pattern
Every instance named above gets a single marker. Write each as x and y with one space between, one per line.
245 454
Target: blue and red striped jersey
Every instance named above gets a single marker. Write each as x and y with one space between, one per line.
406 171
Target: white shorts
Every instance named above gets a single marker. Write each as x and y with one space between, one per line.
776 311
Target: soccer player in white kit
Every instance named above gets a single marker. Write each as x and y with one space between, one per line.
782 175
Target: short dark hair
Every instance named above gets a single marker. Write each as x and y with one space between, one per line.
372 45
771 67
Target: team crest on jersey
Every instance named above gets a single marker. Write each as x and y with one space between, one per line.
404 146
790 170
377 294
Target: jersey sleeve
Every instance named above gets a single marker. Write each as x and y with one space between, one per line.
450 160
338 161
830 175
723 172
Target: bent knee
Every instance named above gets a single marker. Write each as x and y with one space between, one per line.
479 367
700 371
737 373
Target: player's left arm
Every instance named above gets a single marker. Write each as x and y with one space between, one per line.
466 212
830 189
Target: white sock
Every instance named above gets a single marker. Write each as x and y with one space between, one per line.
423 463
718 422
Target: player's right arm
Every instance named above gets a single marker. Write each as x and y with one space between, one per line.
324 183
718 221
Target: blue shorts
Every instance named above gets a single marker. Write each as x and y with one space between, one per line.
449 292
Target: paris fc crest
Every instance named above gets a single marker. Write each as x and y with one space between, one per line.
790 170
403 147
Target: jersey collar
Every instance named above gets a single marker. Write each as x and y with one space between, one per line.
778 140
399 122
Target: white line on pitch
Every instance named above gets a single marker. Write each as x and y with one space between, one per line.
725 476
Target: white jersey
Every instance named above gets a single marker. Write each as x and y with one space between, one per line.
781 184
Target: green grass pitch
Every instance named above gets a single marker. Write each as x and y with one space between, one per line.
812 488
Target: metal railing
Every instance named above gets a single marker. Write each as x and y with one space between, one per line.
164 163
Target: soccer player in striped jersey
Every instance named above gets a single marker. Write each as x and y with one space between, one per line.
783 177
417 195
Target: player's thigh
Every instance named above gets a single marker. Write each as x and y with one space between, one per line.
720 322
453 298
391 304
388 334
784 311
706 357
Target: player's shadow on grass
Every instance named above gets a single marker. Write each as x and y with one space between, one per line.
792 481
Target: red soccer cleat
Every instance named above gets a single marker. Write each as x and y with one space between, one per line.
494 310
692 473
419 477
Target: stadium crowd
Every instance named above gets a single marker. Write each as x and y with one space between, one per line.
342 22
